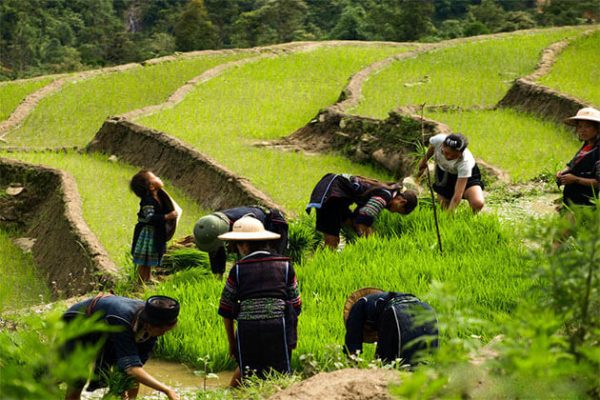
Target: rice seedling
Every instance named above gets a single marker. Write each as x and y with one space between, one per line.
487 275
575 72
109 207
518 143
266 100
73 115
12 93
21 285
469 74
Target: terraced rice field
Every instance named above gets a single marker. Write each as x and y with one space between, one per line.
13 93
71 116
109 207
267 100
576 71
21 285
470 74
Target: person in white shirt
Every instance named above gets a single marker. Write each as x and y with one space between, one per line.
457 175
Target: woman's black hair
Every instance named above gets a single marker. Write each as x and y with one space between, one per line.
411 200
456 141
139 183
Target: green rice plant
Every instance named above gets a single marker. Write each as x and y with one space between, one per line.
487 274
184 258
73 115
468 74
518 143
13 93
109 207
267 100
575 72
303 238
21 285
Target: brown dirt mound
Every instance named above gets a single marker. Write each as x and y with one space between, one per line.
344 384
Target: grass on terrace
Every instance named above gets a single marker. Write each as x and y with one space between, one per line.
73 115
109 207
577 70
13 93
469 74
20 285
520 144
266 100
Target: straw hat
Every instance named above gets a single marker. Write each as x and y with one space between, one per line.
585 114
369 334
249 228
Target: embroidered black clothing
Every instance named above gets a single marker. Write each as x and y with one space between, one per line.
262 294
120 348
334 194
272 219
398 320
585 164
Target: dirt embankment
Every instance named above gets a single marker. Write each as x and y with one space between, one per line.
528 96
71 258
345 384
209 183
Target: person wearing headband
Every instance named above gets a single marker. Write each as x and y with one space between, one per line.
139 325
581 177
457 175
400 323
261 294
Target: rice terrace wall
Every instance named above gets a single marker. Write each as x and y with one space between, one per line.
209 183
70 256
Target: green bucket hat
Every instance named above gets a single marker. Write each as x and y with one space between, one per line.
207 230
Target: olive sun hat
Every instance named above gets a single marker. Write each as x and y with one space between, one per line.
208 228
249 228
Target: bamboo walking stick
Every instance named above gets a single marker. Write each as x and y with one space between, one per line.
429 185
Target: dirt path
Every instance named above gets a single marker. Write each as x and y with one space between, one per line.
345 384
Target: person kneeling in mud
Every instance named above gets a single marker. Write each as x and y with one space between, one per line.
334 194
400 323
262 294
457 175
129 348
208 228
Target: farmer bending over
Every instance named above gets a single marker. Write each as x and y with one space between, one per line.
208 228
457 175
400 323
129 348
261 294
334 194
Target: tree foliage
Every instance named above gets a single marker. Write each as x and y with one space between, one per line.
46 36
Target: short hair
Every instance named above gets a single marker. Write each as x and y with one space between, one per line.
139 183
411 200
456 141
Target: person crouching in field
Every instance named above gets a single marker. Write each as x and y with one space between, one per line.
582 175
262 294
150 234
457 175
139 323
208 228
335 193
400 323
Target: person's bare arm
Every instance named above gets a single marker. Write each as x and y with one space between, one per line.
229 329
145 378
459 190
568 179
423 163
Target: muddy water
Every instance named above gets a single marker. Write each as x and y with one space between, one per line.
178 376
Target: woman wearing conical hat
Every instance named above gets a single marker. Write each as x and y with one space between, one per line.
261 294
400 323
581 177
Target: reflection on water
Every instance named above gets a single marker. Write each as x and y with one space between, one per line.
177 375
